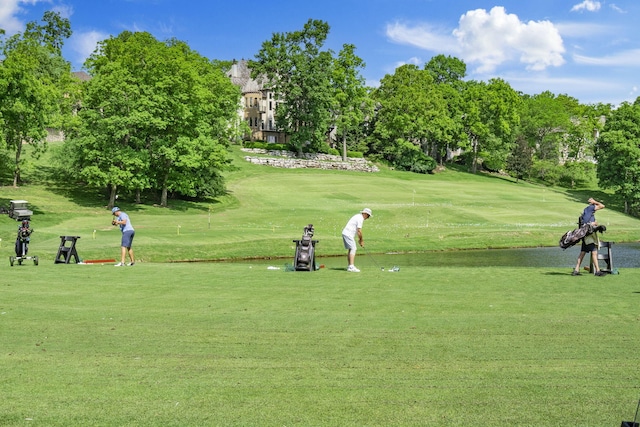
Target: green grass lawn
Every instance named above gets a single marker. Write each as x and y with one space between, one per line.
266 208
236 344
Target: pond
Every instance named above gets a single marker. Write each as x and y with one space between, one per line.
625 255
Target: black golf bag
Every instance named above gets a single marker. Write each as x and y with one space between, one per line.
22 244
305 259
22 241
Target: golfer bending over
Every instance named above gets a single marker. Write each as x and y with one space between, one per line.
122 219
590 242
353 227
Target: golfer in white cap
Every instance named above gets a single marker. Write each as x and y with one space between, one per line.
353 227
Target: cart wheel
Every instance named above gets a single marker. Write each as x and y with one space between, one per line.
35 260
20 261
11 259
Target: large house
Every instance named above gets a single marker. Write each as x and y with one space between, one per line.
258 105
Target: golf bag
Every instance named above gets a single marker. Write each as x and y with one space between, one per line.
305 258
22 241
570 238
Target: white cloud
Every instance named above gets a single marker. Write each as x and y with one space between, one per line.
8 20
588 5
582 30
617 8
628 58
83 44
64 10
423 36
490 39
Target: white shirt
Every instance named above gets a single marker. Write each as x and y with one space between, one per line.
353 225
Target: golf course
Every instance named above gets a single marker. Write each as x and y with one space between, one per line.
208 328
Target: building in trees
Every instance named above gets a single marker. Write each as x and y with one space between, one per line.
258 105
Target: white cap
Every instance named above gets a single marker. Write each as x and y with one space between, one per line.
367 211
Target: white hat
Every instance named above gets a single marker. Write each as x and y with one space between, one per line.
367 211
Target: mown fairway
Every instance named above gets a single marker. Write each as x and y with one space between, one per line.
225 344
202 344
267 208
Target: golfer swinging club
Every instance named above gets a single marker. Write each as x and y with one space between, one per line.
353 227
122 219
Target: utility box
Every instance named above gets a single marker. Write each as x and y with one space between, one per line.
19 210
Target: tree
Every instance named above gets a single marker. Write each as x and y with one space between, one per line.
294 66
546 119
155 115
618 154
520 160
33 75
448 74
585 125
409 108
490 121
447 70
352 104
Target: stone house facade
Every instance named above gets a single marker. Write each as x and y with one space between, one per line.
258 105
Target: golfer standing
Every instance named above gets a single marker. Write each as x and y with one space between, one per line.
122 219
590 242
353 228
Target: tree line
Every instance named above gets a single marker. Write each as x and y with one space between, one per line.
156 118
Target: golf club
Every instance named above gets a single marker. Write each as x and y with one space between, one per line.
373 259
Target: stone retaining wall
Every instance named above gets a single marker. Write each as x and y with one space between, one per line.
289 160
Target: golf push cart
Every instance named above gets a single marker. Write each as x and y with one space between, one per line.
19 211
22 244
305 258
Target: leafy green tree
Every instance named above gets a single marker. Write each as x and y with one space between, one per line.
578 174
409 106
294 66
545 122
33 77
155 115
585 125
520 161
352 103
447 70
448 74
491 119
618 154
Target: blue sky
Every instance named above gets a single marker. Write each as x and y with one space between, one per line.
587 49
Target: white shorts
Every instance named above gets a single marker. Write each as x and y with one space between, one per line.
349 243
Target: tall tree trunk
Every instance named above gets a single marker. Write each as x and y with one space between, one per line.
138 196
344 146
112 196
163 197
474 165
16 171
165 180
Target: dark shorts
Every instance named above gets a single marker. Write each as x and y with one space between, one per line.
588 248
127 238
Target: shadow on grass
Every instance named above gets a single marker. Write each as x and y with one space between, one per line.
91 197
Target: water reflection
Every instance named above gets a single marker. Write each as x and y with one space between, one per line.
625 255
